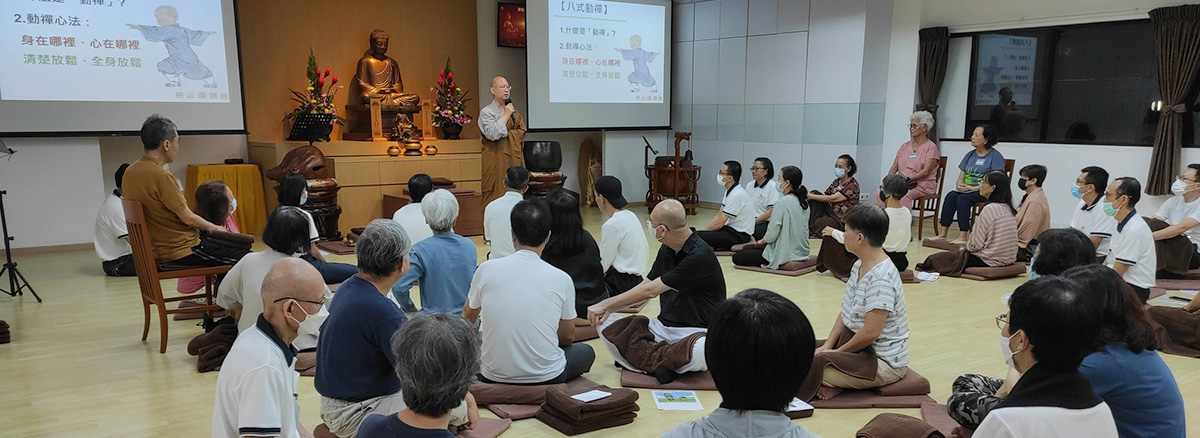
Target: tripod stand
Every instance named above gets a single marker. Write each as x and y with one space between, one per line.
16 282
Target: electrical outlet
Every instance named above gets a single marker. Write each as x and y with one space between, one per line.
863 196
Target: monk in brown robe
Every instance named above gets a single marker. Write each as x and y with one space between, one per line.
379 76
503 132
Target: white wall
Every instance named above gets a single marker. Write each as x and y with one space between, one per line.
56 185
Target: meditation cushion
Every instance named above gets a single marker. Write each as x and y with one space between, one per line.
866 399
500 393
938 416
322 431
1168 284
221 334
211 357
892 425
909 277
487 428
1156 292
514 412
994 273
791 269
723 253
911 384
339 247
700 381
940 244
306 363
586 333
800 414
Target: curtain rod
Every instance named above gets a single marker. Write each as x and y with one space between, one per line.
1064 19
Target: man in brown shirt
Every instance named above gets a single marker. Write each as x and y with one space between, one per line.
173 227
1033 216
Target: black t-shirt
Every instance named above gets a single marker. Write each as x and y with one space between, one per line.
696 282
585 271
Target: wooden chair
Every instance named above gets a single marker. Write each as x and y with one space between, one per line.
933 203
1009 165
150 274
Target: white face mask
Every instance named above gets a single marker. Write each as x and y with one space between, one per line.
721 180
312 323
304 197
1006 350
653 231
234 207
1179 187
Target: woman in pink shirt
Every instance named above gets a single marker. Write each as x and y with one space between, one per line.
215 203
917 159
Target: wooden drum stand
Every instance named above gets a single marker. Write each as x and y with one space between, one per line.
672 177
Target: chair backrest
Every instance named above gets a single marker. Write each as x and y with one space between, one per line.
941 174
143 251
1009 165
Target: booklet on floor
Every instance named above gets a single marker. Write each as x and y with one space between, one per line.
677 401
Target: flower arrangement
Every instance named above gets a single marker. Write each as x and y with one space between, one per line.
317 99
450 109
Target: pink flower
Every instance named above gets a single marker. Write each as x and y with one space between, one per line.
326 71
335 80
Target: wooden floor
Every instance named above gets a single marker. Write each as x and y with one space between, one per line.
76 366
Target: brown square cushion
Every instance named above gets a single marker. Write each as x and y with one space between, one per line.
487 428
700 381
938 416
791 269
336 247
909 277
911 384
866 399
723 253
514 412
499 393
994 273
1169 284
940 244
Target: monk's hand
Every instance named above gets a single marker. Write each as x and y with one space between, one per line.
597 313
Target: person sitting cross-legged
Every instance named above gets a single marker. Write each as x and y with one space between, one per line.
497 231
735 222
443 264
833 255
623 248
785 238
1176 226
1050 327
437 358
1033 213
687 276
1132 252
874 316
574 251
760 346
528 309
356 376
110 240
256 388
293 191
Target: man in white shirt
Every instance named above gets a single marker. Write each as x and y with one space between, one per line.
1182 216
410 216
623 247
256 388
497 228
735 223
1132 254
528 309
1050 327
764 193
1089 217
110 241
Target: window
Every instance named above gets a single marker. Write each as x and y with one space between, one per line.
1081 84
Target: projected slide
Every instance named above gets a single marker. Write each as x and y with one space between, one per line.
113 51
606 52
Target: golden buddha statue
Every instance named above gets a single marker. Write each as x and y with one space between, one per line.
379 76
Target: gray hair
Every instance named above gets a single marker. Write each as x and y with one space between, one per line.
381 247
157 129
437 358
924 117
440 208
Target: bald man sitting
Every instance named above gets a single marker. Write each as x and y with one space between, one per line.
256 389
688 278
503 132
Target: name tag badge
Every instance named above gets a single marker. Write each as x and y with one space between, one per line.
839 188
912 156
979 162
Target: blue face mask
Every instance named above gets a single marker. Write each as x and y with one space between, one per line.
1075 192
839 172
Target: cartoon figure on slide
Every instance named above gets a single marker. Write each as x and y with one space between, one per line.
641 76
181 60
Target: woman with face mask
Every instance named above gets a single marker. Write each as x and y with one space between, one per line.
1176 226
836 259
993 242
786 237
214 203
293 192
830 207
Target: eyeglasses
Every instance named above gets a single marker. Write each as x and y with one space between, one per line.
914 125
1181 178
506 87
1002 320
319 303
757 168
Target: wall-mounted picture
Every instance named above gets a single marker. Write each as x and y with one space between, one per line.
510 27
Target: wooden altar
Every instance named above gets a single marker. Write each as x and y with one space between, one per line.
366 173
672 177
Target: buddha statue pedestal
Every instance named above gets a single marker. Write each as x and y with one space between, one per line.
375 122
310 163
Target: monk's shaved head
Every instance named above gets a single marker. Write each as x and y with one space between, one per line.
499 81
294 278
670 213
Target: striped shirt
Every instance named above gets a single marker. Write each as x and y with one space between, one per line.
879 289
994 235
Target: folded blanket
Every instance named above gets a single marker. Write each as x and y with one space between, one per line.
948 263
1178 330
619 402
568 427
1173 254
897 426
211 357
863 364
222 334
236 240
635 342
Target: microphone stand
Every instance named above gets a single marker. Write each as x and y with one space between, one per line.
16 281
